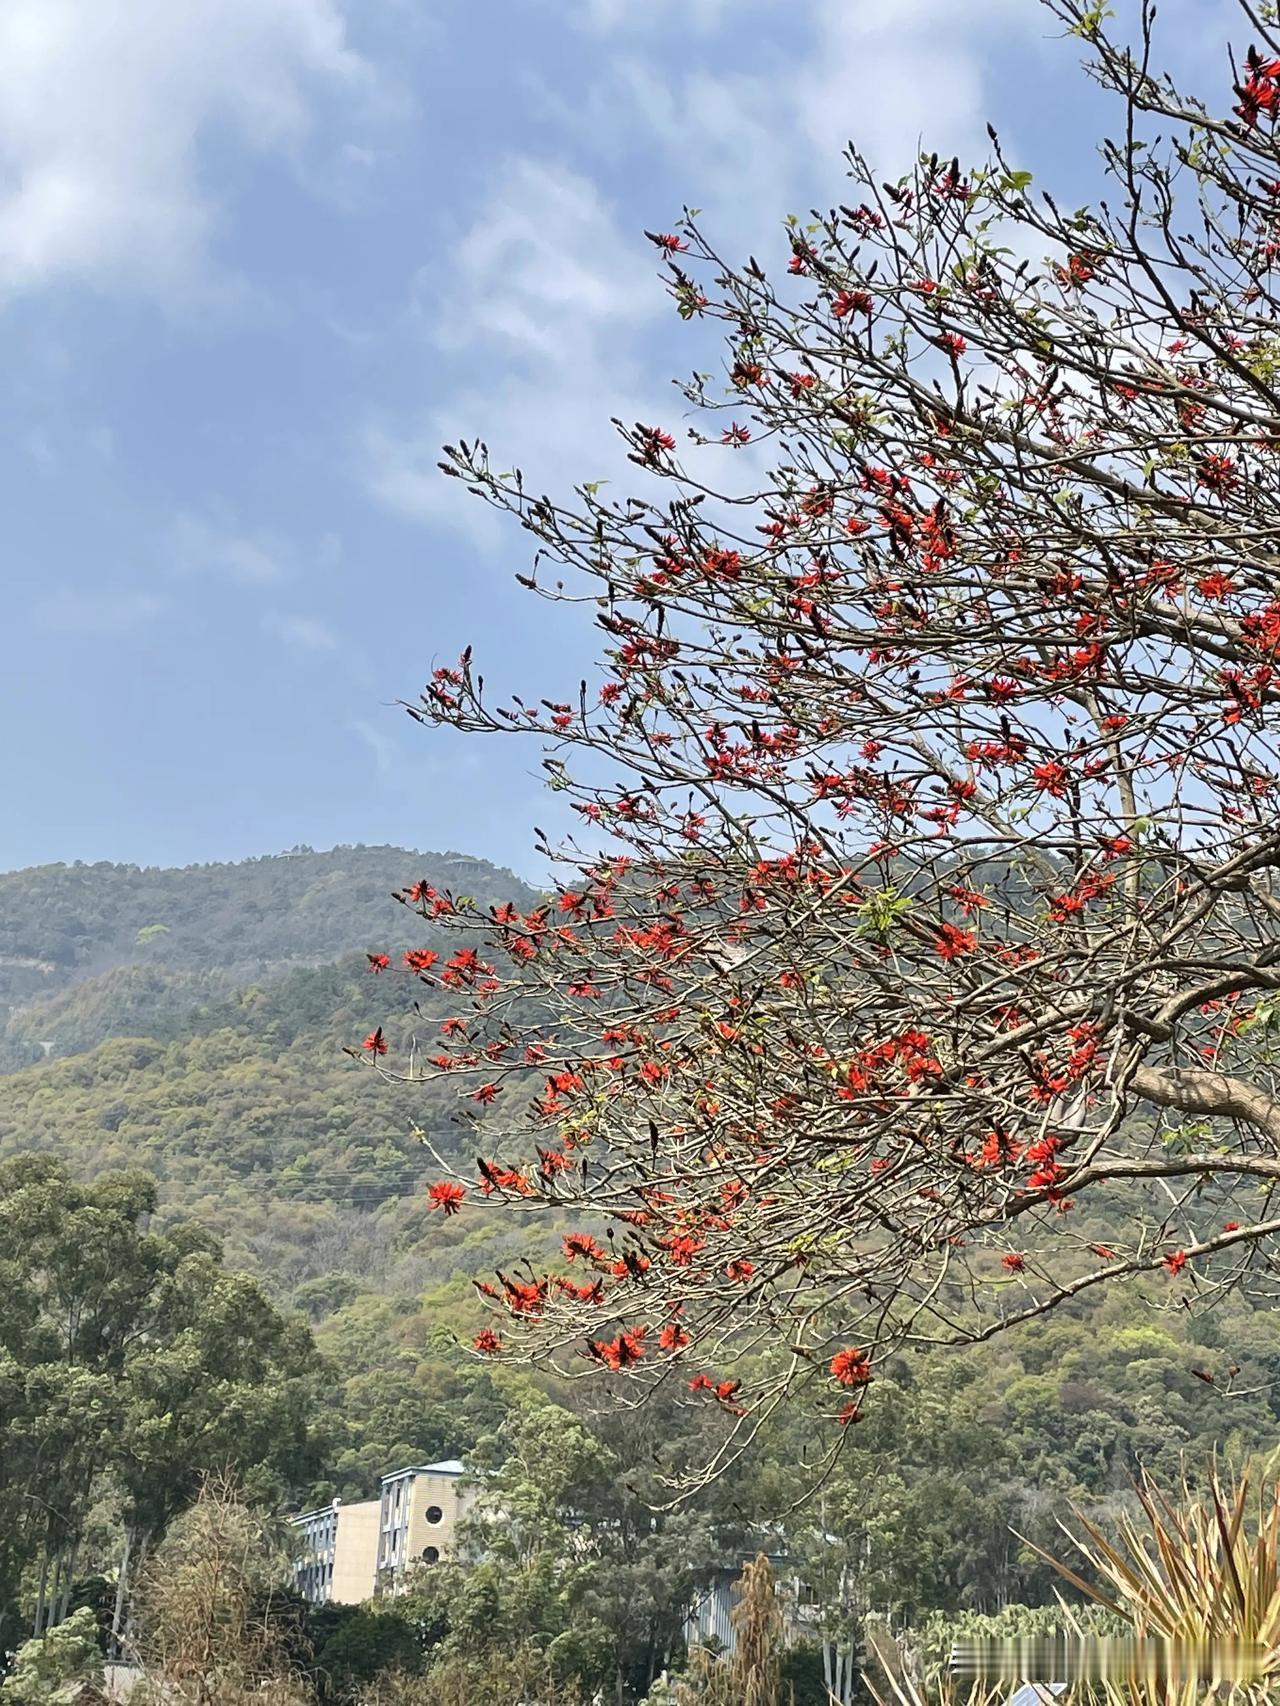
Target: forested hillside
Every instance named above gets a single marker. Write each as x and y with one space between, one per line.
195 1023
91 951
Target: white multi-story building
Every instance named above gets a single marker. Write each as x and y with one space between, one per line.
350 1553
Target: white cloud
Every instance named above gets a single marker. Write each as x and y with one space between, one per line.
105 109
382 747
302 631
69 611
545 278
543 268
751 147
610 17
557 298
202 545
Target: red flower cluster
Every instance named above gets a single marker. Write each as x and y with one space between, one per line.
620 1353
1260 91
851 1367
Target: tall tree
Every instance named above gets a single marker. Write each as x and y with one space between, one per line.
224 1382
935 889
130 1363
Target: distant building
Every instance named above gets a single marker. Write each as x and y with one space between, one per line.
338 1561
709 1622
350 1553
420 1510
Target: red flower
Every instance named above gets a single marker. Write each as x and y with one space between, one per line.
851 302
1217 585
740 1270
1176 1262
736 435
702 1383
1015 1263
378 962
1218 473
1051 778
1105 1252
576 1244
420 959
951 942
673 1337
652 440
525 1297
485 1093
488 1342
1231 1226
851 1367
621 1352
667 240
375 1042
446 1194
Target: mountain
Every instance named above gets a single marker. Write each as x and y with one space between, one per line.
195 1022
92 951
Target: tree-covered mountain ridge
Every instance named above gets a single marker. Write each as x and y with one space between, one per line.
197 1024
90 951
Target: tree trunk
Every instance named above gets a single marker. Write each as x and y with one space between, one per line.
122 1592
37 1627
68 1581
55 1591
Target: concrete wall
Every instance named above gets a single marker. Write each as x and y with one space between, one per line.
437 1503
355 1553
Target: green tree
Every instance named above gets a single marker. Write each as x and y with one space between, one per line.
130 1362
43 1666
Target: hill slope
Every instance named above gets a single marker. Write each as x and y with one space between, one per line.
211 1050
94 951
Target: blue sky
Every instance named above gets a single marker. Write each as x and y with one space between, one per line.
258 258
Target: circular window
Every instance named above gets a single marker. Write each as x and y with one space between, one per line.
434 1514
431 1554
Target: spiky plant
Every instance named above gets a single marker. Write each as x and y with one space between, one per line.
1197 1566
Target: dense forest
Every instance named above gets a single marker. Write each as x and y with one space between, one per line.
182 1070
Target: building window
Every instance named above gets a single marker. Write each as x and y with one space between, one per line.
434 1514
430 1554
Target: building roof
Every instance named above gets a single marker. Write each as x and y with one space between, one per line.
311 1516
450 1466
